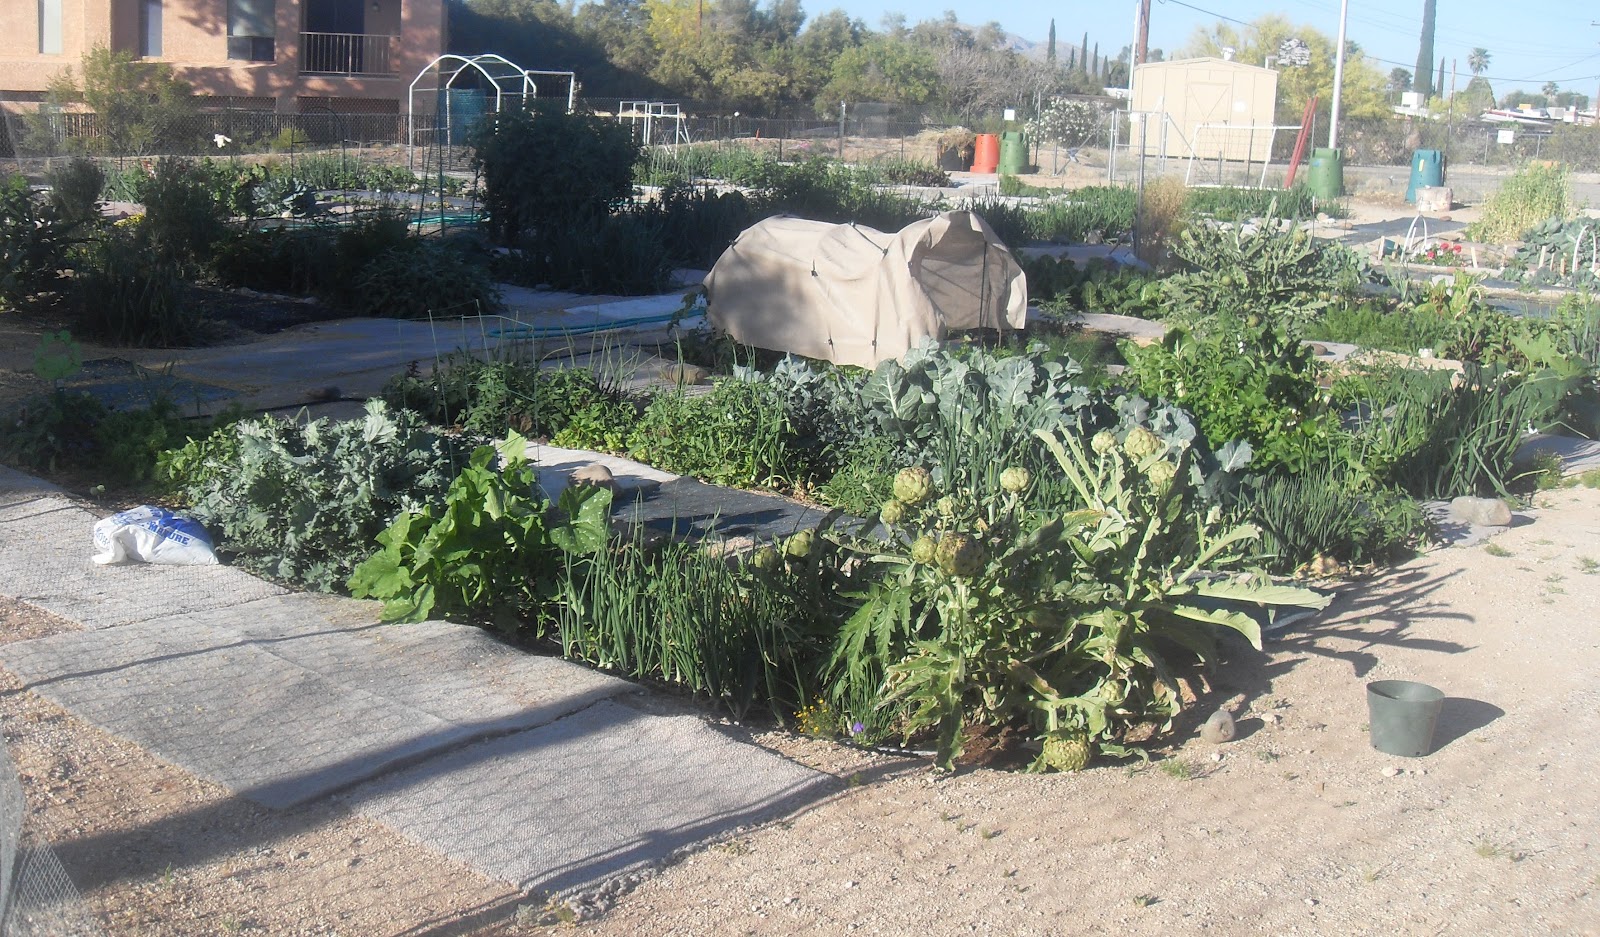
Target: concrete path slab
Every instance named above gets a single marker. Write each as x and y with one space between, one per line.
556 466
282 705
1577 455
47 542
614 790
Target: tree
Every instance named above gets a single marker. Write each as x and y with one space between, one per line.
1366 92
1399 81
1551 89
1439 87
883 69
1478 60
139 107
1050 52
1425 50
1083 54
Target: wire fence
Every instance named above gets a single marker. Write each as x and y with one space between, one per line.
37 899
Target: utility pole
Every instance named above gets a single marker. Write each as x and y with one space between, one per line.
1338 77
1141 45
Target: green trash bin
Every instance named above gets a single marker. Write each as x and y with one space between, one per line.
1326 175
1013 152
1427 169
1402 715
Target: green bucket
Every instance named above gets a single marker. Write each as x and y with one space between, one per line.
1325 175
1013 153
1402 715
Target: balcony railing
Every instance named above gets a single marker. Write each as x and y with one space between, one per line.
347 54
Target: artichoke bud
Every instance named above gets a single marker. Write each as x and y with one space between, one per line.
799 546
1015 479
913 485
960 555
765 559
924 549
1141 443
1104 442
892 511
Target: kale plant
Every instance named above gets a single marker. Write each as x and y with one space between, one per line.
304 502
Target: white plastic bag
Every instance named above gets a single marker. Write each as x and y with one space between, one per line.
149 534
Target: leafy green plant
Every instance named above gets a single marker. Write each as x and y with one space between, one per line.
489 551
1243 381
1406 329
1270 269
140 107
303 502
1327 514
735 435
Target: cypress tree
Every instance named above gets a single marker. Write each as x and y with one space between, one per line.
1083 54
1425 52
1439 88
1050 53
1096 60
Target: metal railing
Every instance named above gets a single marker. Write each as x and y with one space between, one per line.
347 54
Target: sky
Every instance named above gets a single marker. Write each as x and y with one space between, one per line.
1542 40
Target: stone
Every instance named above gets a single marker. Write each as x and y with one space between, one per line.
1481 512
1434 198
1219 728
684 374
594 475
1391 772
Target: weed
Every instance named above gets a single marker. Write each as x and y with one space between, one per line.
1588 565
1590 479
1177 768
1372 875
1489 849
1144 901
1495 549
989 833
1266 756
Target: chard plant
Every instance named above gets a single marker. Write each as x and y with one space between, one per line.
489 551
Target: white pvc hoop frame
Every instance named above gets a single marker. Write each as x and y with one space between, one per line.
481 64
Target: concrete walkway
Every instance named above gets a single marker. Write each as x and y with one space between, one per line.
541 773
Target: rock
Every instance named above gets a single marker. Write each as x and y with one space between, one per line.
684 374
1481 512
1219 728
1391 772
322 394
594 475
1270 719
1319 349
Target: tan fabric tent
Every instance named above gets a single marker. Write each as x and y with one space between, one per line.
854 295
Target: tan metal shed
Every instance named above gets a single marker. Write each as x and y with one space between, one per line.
1203 95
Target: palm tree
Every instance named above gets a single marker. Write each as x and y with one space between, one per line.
1478 60
1551 89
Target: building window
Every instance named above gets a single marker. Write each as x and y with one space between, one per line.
49 27
150 28
252 26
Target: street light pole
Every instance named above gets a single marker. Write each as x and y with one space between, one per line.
1338 77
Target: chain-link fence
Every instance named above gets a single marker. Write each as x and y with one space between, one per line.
1117 148
37 899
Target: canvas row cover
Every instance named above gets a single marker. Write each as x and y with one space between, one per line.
854 295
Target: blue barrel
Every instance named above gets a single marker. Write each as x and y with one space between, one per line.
1427 170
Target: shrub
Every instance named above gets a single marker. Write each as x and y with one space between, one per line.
1532 195
488 397
75 191
422 281
183 218
129 293
303 502
545 169
1368 324
617 254
36 244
